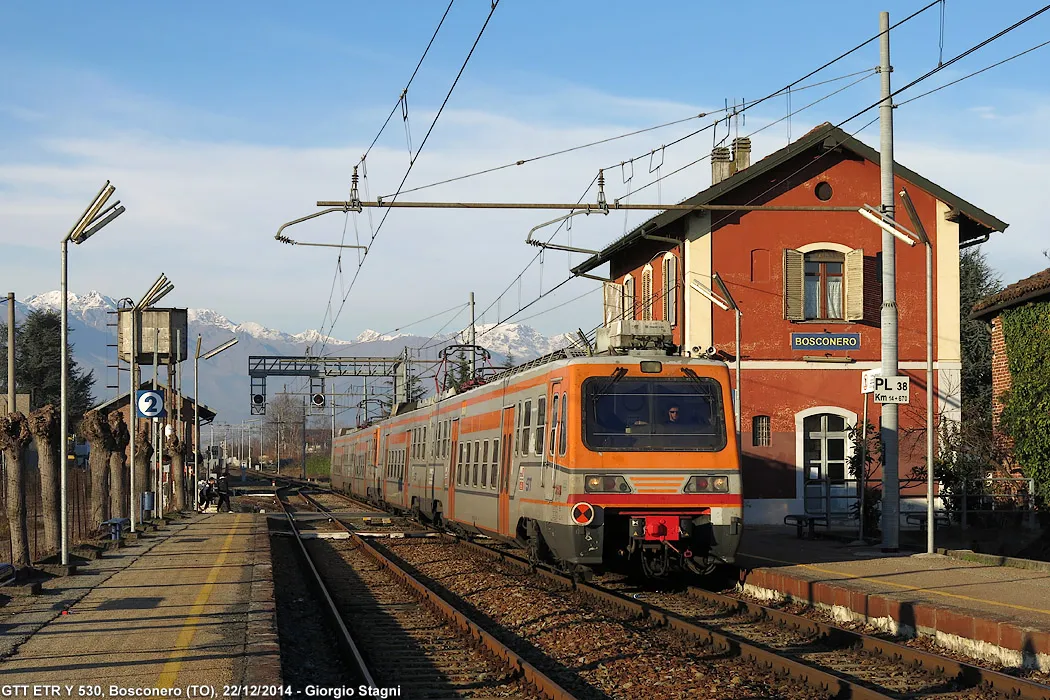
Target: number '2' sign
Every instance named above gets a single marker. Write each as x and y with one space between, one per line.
150 403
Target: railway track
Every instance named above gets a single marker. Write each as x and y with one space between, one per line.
834 660
402 634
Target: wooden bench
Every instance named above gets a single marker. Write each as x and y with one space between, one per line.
940 519
806 521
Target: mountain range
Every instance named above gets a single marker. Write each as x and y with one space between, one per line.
224 382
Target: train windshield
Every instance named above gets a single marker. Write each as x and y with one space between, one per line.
658 414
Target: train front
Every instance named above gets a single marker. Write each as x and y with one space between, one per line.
661 465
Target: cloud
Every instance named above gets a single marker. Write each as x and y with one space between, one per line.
204 211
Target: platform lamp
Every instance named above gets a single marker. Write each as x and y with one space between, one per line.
197 357
93 220
920 231
725 301
910 237
160 289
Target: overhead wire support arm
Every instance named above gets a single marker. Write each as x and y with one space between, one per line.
565 206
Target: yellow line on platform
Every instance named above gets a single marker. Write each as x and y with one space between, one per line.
906 586
189 628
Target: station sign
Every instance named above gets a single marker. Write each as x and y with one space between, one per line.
867 380
149 403
892 389
825 341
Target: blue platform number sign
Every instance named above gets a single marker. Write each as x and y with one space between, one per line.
150 403
825 341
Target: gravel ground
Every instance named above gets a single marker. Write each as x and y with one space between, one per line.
594 653
309 650
889 675
405 642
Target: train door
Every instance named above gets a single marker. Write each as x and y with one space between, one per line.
452 466
550 453
506 464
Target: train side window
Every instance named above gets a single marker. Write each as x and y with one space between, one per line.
554 423
474 463
459 465
517 430
495 464
526 422
563 438
423 443
541 421
485 463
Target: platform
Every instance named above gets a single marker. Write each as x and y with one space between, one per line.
982 609
190 604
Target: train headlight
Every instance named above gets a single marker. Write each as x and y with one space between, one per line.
600 483
707 484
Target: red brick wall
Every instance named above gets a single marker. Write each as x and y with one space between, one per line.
1001 380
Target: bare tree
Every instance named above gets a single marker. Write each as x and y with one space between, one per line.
118 467
43 424
143 455
176 450
284 420
14 436
95 430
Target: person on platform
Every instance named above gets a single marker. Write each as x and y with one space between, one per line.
223 490
203 496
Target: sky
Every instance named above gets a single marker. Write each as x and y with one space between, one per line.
218 122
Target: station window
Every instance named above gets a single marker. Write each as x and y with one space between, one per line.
761 436
824 285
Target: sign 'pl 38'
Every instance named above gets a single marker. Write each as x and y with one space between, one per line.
825 341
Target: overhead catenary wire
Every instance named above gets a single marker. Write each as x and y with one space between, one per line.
430 130
975 73
748 106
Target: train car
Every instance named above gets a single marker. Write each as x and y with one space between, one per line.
587 461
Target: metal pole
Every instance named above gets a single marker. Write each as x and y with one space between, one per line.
890 474
11 351
862 478
133 421
473 341
331 463
179 432
158 448
929 399
197 454
304 439
738 353
63 449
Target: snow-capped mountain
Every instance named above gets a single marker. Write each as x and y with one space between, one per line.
224 383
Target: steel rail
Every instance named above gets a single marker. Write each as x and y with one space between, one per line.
966 674
536 678
345 638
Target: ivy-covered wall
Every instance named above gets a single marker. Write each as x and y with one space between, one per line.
1026 406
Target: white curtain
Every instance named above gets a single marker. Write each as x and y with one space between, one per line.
834 297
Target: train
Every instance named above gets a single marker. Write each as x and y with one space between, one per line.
589 462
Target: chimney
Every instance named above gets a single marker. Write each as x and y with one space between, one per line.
741 153
721 164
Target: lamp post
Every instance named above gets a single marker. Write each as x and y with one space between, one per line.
90 222
197 357
920 230
890 226
161 288
725 301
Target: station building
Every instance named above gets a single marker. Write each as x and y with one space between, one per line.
809 285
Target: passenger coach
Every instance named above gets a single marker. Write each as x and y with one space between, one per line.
587 461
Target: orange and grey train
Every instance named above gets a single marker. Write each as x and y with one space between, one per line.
590 463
